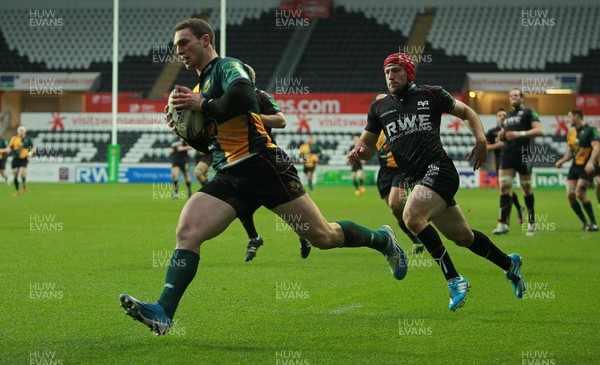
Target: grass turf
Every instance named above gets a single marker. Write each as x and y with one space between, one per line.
69 250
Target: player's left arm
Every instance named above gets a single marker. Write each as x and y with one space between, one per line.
33 149
472 121
536 126
535 131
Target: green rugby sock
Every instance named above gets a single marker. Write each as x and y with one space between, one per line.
359 236
180 273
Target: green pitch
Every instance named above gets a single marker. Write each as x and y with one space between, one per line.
69 250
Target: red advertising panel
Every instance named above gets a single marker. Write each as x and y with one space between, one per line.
311 9
128 103
589 104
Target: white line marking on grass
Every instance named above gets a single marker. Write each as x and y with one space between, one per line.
346 308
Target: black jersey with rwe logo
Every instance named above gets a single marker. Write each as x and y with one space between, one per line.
411 123
518 119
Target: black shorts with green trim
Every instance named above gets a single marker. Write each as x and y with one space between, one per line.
577 172
267 179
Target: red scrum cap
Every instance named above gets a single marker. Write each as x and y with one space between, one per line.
402 59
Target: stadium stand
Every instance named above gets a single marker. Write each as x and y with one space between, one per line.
363 34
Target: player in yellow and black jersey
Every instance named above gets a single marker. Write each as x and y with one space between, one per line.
310 154
21 146
584 147
250 172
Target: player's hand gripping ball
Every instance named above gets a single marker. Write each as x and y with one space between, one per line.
189 123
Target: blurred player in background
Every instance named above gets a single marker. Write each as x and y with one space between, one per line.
597 182
494 144
4 151
410 117
310 153
583 145
179 160
203 162
272 117
519 126
22 148
251 171
357 174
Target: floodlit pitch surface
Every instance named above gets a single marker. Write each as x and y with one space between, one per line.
69 250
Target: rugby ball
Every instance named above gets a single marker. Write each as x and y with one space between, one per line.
189 123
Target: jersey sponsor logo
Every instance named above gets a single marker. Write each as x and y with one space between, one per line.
423 105
408 124
512 120
206 86
233 71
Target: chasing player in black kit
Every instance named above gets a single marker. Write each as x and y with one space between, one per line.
519 126
495 144
179 160
410 118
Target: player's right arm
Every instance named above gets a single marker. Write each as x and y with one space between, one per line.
568 155
364 147
274 120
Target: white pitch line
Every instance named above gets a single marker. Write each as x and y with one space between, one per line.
346 308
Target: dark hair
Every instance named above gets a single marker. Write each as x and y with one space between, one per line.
198 27
519 90
578 112
500 110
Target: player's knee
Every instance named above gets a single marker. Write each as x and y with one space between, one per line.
526 186
187 237
580 192
506 182
414 222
